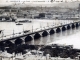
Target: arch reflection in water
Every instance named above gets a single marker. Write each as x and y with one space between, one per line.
74 30
52 37
64 33
37 41
78 29
32 42
41 41
48 40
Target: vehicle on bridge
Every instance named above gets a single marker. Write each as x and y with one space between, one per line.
26 31
0 31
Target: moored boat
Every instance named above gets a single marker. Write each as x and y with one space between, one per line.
23 21
19 24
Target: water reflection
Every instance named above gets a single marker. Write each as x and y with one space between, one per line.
69 32
41 41
48 40
52 37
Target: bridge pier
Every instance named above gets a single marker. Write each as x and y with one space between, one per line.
32 42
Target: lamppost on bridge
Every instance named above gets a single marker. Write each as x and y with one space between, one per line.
40 26
13 33
47 24
53 23
23 30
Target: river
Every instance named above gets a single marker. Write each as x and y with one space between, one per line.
10 27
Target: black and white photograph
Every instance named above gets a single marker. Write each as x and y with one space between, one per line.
39 29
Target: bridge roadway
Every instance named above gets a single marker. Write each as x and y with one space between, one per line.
41 33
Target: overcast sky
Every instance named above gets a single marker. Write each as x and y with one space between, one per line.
9 2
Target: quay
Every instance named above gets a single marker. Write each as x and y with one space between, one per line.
43 32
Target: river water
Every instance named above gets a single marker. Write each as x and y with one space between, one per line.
10 27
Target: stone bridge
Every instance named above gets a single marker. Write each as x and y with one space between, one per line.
42 33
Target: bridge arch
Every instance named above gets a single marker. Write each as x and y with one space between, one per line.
18 41
68 27
63 28
37 36
77 24
52 32
28 38
73 26
58 30
45 33
1 44
9 43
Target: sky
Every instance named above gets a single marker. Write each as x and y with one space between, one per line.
9 2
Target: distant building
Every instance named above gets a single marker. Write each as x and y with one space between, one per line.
48 16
